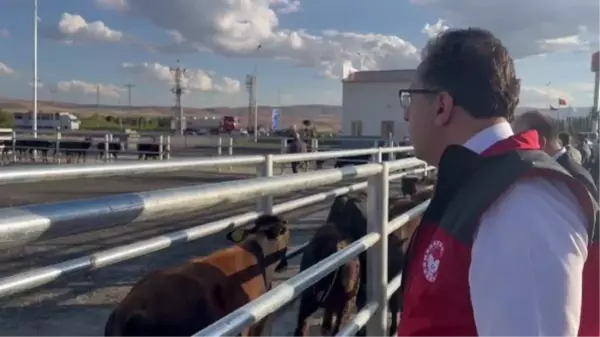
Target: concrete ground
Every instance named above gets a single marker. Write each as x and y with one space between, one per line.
80 304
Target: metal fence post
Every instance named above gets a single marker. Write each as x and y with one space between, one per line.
161 147
219 150
378 156
57 148
14 146
265 204
106 147
230 150
377 273
168 147
283 145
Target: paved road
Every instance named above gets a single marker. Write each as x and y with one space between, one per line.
81 304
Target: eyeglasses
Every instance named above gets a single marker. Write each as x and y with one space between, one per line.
405 95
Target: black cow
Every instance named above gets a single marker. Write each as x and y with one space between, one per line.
347 222
77 149
25 148
113 149
6 148
148 150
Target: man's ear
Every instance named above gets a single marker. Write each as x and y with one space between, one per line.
543 142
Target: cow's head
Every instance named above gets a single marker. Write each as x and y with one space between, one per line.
275 232
409 185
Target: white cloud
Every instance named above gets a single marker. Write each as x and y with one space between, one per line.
194 79
286 6
542 96
433 30
4 33
529 27
77 86
237 27
6 70
118 5
576 93
73 28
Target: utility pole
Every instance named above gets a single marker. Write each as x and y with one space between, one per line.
129 87
97 95
53 92
255 92
179 74
250 81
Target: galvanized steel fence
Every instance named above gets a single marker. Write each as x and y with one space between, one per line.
26 224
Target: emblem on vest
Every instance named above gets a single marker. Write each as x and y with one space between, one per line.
431 260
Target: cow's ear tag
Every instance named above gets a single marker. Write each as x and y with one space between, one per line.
237 235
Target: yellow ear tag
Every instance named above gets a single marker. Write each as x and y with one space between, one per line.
238 235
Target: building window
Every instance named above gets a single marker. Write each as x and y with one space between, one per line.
387 129
356 128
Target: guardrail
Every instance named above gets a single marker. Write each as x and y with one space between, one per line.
75 171
22 225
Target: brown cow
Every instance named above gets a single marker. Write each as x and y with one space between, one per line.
184 299
340 291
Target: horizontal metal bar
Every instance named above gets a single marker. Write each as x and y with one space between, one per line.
394 285
285 292
55 172
400 163
21 225
292 253
38 277
401 220
290 157
359 320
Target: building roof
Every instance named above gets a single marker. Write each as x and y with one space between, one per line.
389 76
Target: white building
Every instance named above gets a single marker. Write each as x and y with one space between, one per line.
371 105
47 120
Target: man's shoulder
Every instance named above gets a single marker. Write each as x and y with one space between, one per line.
538 196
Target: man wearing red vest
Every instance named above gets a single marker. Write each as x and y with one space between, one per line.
502 246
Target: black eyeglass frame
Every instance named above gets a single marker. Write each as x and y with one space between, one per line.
414 91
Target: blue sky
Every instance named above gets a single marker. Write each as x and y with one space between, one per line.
76 52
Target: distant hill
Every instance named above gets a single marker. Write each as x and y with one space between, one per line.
324 117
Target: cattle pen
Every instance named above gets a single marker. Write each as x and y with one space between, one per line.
26 224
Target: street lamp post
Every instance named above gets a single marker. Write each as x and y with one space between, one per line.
35 69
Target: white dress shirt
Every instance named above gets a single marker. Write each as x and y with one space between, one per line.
527 259
559 153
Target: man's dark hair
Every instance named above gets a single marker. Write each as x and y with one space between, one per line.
565 138
546 126
474 67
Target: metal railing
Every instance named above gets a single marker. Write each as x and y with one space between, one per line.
22 225
76 171
17 148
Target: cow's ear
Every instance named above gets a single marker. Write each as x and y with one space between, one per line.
237 235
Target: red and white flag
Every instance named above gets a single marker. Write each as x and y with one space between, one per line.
562 101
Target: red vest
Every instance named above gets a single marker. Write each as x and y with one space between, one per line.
436 289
